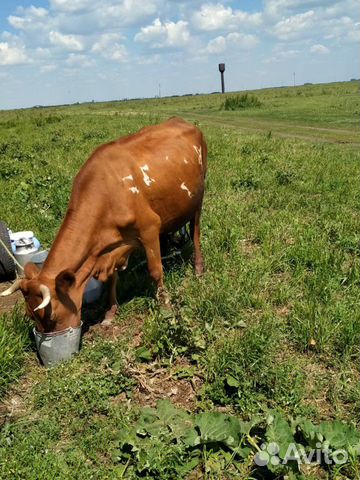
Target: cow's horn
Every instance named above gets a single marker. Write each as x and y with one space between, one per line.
45 292
15 286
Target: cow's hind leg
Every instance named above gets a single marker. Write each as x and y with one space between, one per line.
195 235
151 242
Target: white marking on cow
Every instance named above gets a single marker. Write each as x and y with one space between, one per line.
185 161
129 177
184 187
147 179
167 157
198 151
134 189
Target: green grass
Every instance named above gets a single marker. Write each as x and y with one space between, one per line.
14 341
241 102
273 324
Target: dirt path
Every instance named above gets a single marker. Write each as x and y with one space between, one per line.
254 125
314 134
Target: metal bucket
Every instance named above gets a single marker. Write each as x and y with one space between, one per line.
55 347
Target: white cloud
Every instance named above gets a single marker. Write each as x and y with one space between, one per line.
347 7
103 14
79 60
217 17
341 30
149 59
48 68
353 35
239 40
72 5
12 55
27 16
280 8
282 55
161 35
109 47
216 45
42 53
69 42
293 27
320 49
327 20
127 12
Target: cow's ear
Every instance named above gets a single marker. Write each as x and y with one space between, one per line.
31 270
64 281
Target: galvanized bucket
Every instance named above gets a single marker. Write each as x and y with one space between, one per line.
56 347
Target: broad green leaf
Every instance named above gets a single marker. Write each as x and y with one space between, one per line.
217 427
190 437
310 432
333 434
187 467
167 412
232 381
339 435
279 432
143 354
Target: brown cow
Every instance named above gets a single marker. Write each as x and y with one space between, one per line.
127 193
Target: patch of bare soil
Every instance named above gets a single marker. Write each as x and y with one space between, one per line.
248 246
131 328
155 383
8 303
283 311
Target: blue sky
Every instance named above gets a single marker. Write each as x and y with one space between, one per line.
65 51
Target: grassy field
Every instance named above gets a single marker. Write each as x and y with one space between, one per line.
263 348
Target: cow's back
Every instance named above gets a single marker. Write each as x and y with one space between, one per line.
159 170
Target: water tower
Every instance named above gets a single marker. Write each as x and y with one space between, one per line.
222 70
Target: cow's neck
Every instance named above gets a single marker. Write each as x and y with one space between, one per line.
76 246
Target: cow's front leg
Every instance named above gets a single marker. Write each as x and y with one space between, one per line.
110 314
151 243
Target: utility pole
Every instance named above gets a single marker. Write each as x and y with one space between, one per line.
222 70
294 79
159 90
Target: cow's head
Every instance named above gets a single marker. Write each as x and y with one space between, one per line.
54 304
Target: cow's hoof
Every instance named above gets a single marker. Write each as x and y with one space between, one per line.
199 269
163 297
109 316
